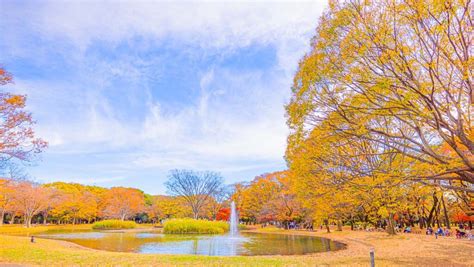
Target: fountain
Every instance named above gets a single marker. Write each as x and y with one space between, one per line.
234 220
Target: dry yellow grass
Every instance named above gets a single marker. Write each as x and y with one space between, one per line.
400 250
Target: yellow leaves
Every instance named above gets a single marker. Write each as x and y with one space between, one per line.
382 211
15 100
164 207
7 191
73 201
381 77
420 8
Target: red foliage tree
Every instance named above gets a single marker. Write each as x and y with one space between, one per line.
223 214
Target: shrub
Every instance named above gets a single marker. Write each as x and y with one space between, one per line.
114 225
192 226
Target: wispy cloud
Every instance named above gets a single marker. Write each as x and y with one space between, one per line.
121 89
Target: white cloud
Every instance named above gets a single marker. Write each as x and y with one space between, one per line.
237 116
237 122
82 180
210 24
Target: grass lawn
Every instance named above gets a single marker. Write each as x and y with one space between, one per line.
21 230
401 250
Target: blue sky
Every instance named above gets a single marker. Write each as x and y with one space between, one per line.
124 91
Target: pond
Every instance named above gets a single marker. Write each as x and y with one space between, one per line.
219 245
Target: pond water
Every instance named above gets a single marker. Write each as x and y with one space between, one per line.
221 245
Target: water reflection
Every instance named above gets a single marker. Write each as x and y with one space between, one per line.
221 245
205 245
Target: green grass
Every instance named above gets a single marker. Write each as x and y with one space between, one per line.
192 226
113 225
19 229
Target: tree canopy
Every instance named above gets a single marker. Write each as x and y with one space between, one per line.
196 188
383 102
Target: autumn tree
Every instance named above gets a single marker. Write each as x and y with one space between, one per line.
29 199
217 201
345 177
17 138
75 206
122 203
252 198
155 211
73 202
392 81
196 188
7 190
165 207
285 204
17 144
223 214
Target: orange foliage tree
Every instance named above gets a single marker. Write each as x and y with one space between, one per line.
6 197
122 203
267 198
17 138
29 199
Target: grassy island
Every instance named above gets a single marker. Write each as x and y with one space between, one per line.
114 225
192 226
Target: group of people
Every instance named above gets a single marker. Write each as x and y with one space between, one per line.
461 232
290 225
439 232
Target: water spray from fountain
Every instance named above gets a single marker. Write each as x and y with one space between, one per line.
234 220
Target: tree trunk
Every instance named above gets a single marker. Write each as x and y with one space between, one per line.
410 219
326 223
339 225
391 224
45 216
446 216
12 219
430 217
422 222
437 215
28 220
2 216
421 215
